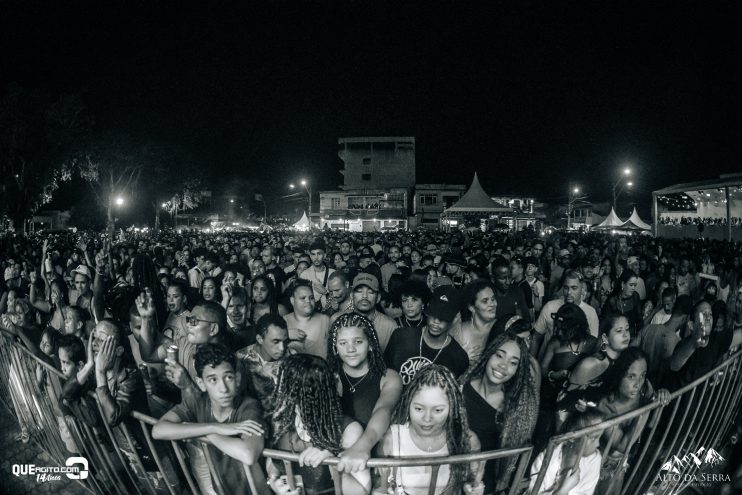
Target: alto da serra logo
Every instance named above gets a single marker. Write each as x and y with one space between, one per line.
702 457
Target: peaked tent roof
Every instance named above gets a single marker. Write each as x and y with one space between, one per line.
303 222
611 221
635 223
476 199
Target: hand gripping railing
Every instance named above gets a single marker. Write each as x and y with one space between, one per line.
699 414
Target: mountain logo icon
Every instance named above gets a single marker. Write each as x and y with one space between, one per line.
699 458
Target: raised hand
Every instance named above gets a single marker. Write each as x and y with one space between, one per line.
145 304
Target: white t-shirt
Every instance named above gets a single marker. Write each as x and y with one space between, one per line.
545 322
589 473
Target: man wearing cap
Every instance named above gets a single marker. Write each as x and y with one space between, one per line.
413 348
318 274
572 290
365 296
390 267
82 278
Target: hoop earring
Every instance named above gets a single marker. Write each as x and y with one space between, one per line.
603 345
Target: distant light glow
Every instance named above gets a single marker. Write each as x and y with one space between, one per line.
164 205
119 201
629 184
577 190
303 182
231 200
627 171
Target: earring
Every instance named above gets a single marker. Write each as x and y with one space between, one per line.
603 345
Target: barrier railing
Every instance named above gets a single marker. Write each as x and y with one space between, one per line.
125 459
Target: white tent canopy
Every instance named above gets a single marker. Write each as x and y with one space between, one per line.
635 223
303 223
476 201
611 222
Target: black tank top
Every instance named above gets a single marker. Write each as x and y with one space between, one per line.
359 396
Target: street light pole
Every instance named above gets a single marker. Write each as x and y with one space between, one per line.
617 193
574 198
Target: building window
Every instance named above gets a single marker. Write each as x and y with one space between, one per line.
335 203
428 199
366 177
367 161
449 200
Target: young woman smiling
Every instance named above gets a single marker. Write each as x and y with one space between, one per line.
369 391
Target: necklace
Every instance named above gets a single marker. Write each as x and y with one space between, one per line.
429 448
422 334
352 386
576 352
411 323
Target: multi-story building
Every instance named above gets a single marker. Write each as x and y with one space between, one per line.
378 177
525 211
430 200
377 162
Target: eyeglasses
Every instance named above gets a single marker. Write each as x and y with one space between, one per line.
193 321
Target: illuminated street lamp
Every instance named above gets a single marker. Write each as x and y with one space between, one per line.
308 189
119 201
616 190
574 199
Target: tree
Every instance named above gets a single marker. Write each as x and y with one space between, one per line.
37 137
187 198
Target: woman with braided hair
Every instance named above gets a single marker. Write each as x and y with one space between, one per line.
430 420
369 391
307 419
502 403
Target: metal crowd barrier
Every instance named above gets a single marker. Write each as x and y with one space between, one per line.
700 414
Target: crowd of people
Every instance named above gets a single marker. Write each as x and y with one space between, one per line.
667 220
358 345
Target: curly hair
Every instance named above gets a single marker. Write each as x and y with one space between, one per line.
375 358
307 383
213 355
457 424
521 402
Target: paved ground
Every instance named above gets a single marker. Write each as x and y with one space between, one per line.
13 451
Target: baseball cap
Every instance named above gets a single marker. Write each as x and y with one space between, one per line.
444 303
531 260
564 252
366 279
82 270
455 259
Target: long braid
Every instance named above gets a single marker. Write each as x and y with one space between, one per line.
375 358
306 382
521 401
457 424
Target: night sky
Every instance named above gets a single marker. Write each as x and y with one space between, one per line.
530 97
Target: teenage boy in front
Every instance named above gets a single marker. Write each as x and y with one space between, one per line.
230 424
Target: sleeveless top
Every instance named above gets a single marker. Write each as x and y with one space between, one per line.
415 480
566 360
359 396
486 422
592 391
